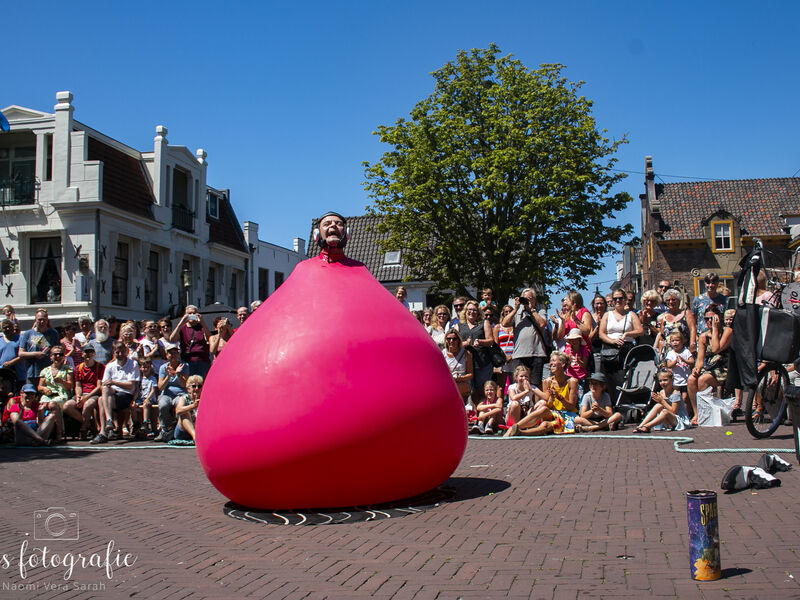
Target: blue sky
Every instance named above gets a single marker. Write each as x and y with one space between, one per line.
284 97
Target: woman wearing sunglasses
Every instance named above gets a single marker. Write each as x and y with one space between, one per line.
460 363
55 385
618 329
440 323
186 409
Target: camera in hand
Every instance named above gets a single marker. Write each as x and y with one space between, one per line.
523 301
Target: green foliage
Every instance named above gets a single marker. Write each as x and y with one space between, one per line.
500 177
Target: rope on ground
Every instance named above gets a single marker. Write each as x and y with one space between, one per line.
677 442
97 448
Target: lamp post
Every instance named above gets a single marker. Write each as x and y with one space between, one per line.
187 284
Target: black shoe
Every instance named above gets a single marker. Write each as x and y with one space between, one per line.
99 439
740 478
736 413
772 463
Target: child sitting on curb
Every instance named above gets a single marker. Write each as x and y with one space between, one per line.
670 409
490 411
595 411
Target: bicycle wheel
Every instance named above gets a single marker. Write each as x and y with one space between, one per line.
765 407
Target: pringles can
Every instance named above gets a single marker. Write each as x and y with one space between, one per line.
701 508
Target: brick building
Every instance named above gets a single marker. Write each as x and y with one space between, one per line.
689 229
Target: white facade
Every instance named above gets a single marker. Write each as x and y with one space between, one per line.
270 265
92 226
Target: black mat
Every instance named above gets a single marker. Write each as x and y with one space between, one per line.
335 516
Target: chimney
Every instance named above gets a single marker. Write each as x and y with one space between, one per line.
251 234
160 144
299 246
62 143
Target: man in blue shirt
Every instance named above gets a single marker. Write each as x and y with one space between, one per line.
703 301
35 344
9 352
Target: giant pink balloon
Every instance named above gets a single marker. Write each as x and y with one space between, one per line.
331 394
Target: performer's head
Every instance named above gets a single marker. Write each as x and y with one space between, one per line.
332 231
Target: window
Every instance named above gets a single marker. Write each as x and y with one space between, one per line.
182 215
45 270
17 175
278 279
211 284
391 258
119 278
213 206
722 236
48 164
151 283
232 292
263 284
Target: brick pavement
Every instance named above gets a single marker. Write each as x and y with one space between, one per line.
532 519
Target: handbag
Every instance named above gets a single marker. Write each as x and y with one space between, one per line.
779 335
609 354
498 356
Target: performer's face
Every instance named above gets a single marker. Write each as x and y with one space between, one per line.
332 230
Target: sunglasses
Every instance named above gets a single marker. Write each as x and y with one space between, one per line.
56 354
619 299
196 386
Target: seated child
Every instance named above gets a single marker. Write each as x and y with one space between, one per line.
521 395
578 353
146 403
670 409
490 411
595 411
21 413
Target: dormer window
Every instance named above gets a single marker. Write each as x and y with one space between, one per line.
213 206
391 258
722 236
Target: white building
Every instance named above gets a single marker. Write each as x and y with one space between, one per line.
92 226
270 265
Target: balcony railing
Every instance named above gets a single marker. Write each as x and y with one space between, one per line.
182 218
14 192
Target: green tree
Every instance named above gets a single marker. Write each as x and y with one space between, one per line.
500 177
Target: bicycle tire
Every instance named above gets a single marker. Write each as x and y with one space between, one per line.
770 398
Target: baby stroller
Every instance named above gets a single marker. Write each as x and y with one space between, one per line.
638 379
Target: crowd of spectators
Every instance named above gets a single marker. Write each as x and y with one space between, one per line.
101 380
519 370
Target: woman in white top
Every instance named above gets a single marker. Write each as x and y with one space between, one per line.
459 361
439 324
620 325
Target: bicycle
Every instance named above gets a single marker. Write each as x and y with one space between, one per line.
765 406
